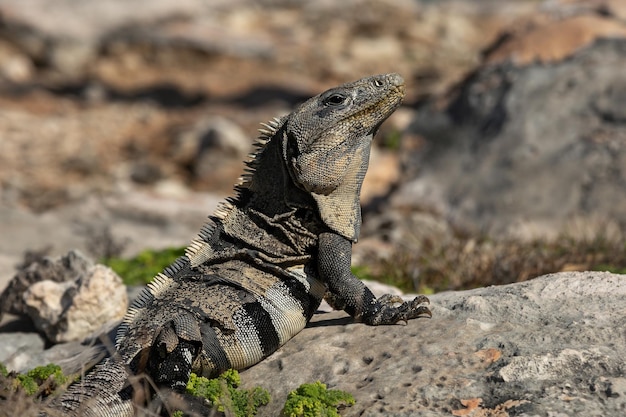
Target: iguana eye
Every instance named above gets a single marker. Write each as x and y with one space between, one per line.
335 99
378 83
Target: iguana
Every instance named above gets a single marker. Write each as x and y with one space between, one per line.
260 267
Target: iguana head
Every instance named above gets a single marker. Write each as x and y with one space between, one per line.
327 141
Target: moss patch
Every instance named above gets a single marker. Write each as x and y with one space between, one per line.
224 394
315 400
142 268
40 381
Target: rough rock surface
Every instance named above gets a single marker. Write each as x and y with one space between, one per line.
73 310
36 269
496 159
69 306
18 350
552 346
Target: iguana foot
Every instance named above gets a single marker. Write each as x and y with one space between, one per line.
389 312
413 309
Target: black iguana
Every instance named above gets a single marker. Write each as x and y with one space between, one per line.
259 269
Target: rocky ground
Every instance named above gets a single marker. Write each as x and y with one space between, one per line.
551 346
547 347
124 123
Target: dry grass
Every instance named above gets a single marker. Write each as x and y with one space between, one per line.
464 262
31 396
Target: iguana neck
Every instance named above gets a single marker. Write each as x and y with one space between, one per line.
270 188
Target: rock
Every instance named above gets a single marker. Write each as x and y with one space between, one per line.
73 310
18 348
550 346
67 298
553 345
524 150
36 269
213 147
553 41
21 352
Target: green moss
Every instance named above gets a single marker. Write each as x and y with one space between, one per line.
143 267
48 377
361 271
3 370
222 392
315 400
392 140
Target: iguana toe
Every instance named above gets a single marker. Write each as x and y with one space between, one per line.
413 309
390 299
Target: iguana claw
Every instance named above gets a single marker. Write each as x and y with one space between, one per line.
413 309
393 309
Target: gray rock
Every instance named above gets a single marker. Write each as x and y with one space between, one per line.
550 346
37 268
18 348
524 150
21 352
212 147
71 310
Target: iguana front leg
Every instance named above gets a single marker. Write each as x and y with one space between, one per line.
334 258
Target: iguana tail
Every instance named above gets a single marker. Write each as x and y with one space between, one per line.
104 392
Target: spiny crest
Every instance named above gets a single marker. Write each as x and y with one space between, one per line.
175 267
198 251
152 291
266 133
129 317
207 231
224 208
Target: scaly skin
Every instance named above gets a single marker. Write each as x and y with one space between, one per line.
258 270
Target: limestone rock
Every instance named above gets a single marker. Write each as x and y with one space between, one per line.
73 308
36 268
553 345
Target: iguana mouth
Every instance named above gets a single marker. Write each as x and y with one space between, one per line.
388 104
